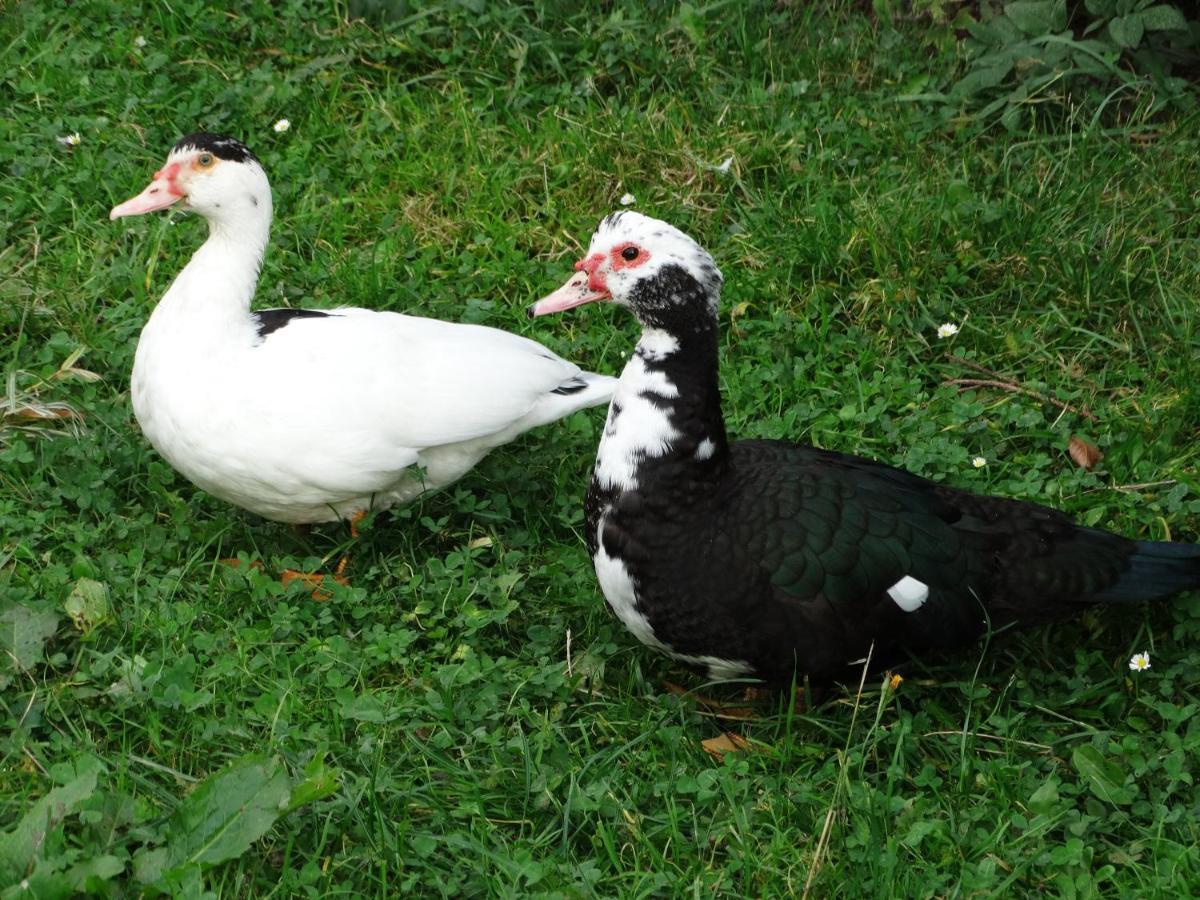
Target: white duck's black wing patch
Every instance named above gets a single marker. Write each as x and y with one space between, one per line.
574 386
219 145
270 320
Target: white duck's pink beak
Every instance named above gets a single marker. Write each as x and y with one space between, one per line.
159 194
575 292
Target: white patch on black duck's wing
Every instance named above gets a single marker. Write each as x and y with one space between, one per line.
909 594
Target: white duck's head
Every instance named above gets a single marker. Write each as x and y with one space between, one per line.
663 276
211 174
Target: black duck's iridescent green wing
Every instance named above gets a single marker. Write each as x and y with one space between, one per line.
835 532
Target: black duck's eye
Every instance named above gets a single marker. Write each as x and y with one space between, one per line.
630 253
205 160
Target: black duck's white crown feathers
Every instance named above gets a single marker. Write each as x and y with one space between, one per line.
666 243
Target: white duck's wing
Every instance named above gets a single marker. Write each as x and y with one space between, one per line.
410 381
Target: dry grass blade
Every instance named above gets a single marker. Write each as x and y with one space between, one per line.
717 709
1013 387
23 411
1006 383
827 827
42 411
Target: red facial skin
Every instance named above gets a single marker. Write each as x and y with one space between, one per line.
589 284
591 264
169 172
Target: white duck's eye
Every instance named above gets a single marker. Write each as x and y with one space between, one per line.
630 253
204 160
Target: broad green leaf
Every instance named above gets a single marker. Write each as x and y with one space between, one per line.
1127 30
186 883
87 604
319 781
1104 778
44 883
19 847
99 868
1044 801
149 865
981 78
366 707
1162 18
914 85
227 813
1012 117
997 32
1037 17
23 634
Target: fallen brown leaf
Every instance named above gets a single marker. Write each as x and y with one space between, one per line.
725 742
1084 453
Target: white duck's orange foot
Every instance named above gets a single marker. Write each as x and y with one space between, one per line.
317 582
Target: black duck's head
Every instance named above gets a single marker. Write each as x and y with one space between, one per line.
663 276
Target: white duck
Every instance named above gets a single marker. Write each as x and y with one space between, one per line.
304 415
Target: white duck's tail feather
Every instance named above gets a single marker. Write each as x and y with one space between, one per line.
577 392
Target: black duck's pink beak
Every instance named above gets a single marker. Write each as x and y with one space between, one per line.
159 194
575 292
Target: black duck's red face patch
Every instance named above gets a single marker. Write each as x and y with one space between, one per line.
628 256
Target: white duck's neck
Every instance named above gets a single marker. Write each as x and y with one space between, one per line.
213 292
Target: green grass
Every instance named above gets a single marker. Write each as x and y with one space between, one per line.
452 163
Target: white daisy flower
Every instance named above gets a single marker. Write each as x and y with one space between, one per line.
949 329
71 140
281 126
628 199
1139 662
979 462
139 42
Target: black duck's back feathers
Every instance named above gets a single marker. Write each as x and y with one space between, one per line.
787 560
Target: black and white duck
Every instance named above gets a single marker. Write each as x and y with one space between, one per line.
771 559
305 415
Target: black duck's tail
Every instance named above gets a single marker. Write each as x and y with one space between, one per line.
1155 570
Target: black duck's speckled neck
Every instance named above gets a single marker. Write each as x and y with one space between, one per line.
695 411
678 314
665 425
